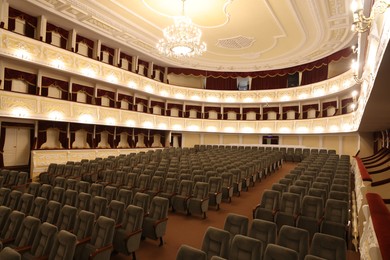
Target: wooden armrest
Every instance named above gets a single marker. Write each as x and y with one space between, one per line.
8 240
204 199
159 221
83 241
22 249
99 250
118 226
130 234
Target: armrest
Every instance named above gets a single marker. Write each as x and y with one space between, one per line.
22 249
99 250
157 222
130 234
205 199
83 241
8 240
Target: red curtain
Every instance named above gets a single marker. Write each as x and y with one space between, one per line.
306 108
30 79
110 52
105 93
128 58
129 133
61 85
127 98
221 83
89 91
278 81
88 42
315 75
44 125
50 28
326 105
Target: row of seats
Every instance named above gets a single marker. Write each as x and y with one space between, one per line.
133 220
307 200
262 242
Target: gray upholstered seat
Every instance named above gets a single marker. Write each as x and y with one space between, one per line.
290 208
4 214
335 218
155 187
96 189
263 230
110 192
179 201
83 201
125 196
4 195
275 252
142 200
236 225
52 211
13 200
25 203
216 242
67 218
215 191
294 238
311 214
10 254
128 236
98 206
198 203
227 186
169 189
100 244
26 232
115 211
268 206
83 186
43 241
64 246
328 247
33 188
45 191
245 248
186 252
155 224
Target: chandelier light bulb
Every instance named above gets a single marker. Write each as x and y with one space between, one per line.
181 39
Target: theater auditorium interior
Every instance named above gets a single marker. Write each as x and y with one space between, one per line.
194 129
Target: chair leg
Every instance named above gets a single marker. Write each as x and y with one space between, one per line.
134 258
161 242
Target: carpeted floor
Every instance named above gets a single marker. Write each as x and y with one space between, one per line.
183 229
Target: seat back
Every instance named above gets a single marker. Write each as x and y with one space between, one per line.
142 200
133 218
70 197
83 201
273 252
294 238
27 231
25 203
270 200
115 211
216 242
12 225
336 211
201 190
312 207
64 246
10 254
143 181
215 184
109 192
96 190
125 196
185 188
82 186
263 230
43 240
98 206
328 247
59 181
38 207
4 195
290 203
236 224
52 212
57 194
103 232
45 191
4 214
67 218
170 185
156 183
245 248
187 252
159 208
33 188
70 184
84 224
14 198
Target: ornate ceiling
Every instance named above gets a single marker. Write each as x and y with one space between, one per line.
241 35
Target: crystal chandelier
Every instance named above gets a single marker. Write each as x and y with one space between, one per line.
181 39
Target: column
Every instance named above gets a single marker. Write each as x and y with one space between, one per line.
96 49
150 69
117 56
72 40
41 28
4 14
175 142
165 79
134 64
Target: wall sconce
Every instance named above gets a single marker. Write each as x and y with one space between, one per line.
360 22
